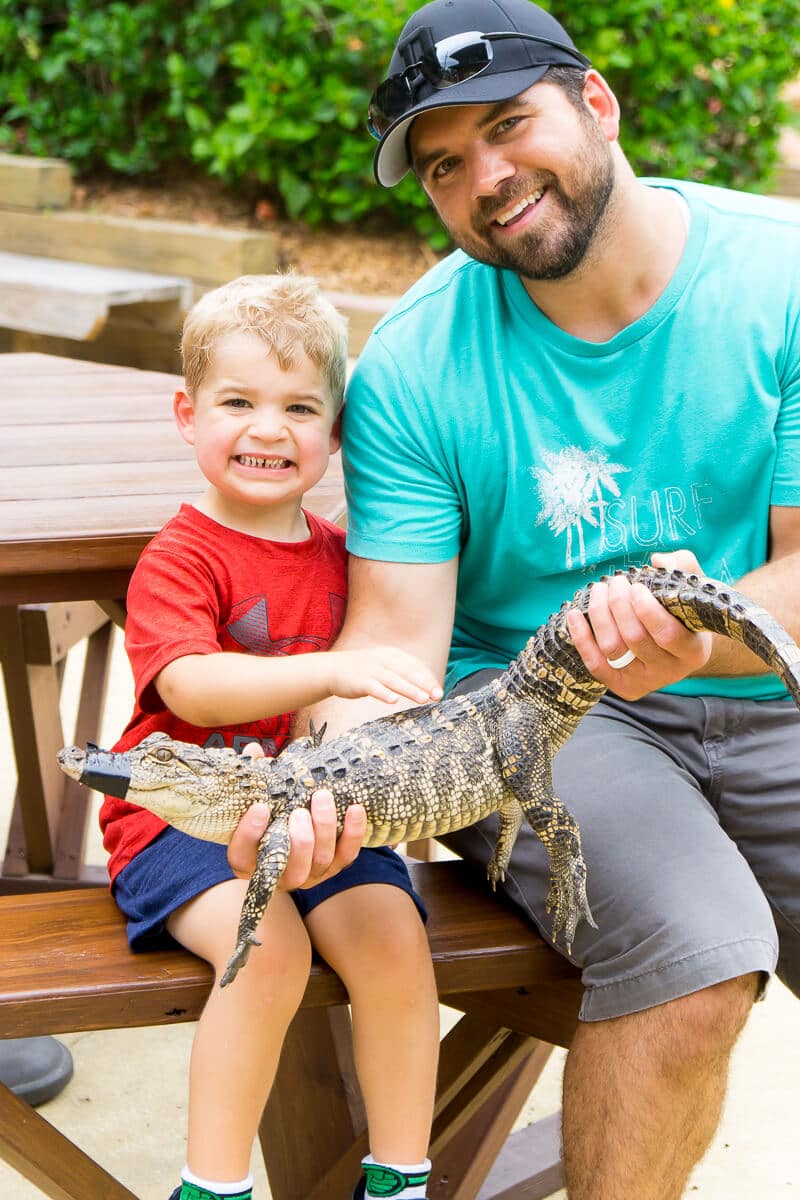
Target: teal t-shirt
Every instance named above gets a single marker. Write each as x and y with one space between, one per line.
475 426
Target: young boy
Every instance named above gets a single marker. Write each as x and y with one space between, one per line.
230 607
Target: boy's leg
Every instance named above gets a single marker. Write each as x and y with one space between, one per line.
373 937
241 1031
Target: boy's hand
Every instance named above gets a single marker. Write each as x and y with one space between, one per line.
384 672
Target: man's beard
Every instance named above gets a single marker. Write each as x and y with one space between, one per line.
569 227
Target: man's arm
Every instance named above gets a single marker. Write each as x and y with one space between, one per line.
409 605
406 605
773 585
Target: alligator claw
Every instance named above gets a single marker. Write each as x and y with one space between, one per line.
495 874
238 959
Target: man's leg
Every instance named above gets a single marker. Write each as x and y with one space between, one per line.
683 934
643 1093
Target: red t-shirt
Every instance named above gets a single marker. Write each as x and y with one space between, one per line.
200 588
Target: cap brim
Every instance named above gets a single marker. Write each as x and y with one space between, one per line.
391 160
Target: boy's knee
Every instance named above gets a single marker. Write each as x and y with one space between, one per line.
391 953
283 958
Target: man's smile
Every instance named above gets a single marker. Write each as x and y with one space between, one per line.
510 215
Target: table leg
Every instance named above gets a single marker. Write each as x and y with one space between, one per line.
47 835
32 695
50 1161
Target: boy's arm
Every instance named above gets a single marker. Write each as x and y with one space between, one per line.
233 689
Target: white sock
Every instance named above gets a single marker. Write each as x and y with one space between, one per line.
407 1180
243 1186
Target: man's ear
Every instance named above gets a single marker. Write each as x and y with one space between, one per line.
602 104
184 416
336 433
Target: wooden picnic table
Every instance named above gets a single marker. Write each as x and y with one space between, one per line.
92 466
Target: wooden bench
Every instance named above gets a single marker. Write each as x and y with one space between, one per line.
73 299
65 966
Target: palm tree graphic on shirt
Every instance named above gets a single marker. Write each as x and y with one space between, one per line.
571 485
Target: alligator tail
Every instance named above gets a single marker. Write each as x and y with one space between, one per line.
702 603
698 602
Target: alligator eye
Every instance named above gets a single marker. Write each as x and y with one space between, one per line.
162 755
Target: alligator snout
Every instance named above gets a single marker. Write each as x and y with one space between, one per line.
97 769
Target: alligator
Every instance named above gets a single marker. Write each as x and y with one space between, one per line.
427 771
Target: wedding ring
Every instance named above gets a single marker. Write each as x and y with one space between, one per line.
624 660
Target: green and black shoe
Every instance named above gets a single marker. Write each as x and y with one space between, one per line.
385 1181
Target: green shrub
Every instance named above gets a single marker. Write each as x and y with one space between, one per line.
698 84
271 94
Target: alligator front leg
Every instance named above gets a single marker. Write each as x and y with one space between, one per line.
273 854
526 766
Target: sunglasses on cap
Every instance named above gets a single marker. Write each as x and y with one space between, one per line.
445 63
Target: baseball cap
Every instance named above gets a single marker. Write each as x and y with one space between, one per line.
461 52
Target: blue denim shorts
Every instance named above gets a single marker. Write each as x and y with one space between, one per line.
175 868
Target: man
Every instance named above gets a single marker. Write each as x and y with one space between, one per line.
607 372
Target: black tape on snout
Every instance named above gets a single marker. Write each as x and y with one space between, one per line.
106 771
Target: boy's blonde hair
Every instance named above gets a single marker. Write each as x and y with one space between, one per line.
289 314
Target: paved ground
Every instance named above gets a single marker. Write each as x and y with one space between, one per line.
126 1104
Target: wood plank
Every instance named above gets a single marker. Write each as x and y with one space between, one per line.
50 630
76 802
206 253
30 182
143 513
315 1088
93 443
131 343
467 1150
529 1166
32 695
33 366
50 1161
65 964
73 299
68 481
79 519
551 1010
67 406
113 285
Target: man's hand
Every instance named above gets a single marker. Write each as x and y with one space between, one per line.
316 852
384 672
625 617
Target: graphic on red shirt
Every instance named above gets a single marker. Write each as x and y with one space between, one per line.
252 631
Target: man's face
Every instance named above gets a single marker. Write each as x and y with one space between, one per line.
522 184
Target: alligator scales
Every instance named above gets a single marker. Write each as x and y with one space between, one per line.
429 770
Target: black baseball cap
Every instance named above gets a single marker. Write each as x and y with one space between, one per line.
437 63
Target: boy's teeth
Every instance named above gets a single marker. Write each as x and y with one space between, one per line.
518 208
248 460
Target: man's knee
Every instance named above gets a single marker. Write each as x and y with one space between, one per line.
703 1026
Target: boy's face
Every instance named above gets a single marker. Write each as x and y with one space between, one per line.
262 436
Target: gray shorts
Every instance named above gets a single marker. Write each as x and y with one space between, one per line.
689 810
